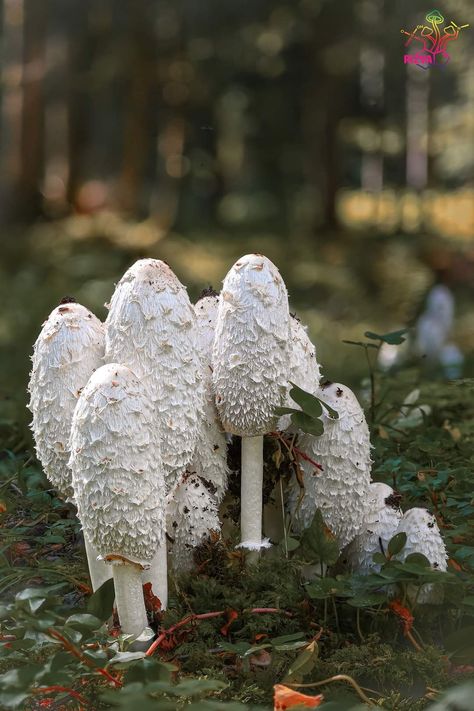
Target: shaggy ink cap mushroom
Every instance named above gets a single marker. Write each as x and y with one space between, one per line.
119 482
250 363
68 349
151 329
423 536
192 514
304 369
380 525
250 356
341 489
210 458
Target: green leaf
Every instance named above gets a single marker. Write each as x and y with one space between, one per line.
379 558
418 559
319 542
397 543
285 638
101 602
308 402
286 410
303 663
368 600
126 657
291 544
394 338
307 424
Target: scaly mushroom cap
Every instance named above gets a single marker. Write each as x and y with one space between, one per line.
341 489
251 355
304 369
210 458
67 351
380 525
191 516
116 466
151 329
423 536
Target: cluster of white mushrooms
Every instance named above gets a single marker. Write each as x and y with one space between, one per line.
131 420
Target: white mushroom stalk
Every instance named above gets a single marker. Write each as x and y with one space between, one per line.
250 372
151 328
341 489
423 536
304 369
379 527
192 515
66 353
119 482
210 458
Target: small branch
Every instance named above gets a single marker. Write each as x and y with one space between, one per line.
331 680
207 616
60 690
72 649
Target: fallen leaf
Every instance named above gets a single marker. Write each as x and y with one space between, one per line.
286 698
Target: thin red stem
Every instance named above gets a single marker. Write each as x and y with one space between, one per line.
69 647
60 689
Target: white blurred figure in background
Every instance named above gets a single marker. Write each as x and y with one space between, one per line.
435 323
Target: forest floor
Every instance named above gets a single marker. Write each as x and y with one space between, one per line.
231 633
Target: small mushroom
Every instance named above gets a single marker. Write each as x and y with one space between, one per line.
423 536
304 368
210 458
341 489
192 514
68 349
250 373
380 525
119 482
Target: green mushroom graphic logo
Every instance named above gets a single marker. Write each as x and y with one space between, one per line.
433 39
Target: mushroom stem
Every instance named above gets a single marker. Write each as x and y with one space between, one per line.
157 575
99 571
129 598
251 497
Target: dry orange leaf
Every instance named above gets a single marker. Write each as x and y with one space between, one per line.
286 698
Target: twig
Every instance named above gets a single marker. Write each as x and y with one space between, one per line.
332 679
285 537
59 690
207 616
69 647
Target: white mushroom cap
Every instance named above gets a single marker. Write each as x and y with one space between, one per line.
191 515
250 356
67 351
210 458
151 329
380 525
304 369
341 489
423 536
116 466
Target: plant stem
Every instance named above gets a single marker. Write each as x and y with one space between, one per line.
331 680
99 571
285 537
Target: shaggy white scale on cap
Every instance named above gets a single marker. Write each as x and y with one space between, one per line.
251 356
210 458
191 515
151 329
423 536
67 351
380 525
341 489
115 462
304 369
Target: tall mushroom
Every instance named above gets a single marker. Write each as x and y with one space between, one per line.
119 482
68 349
423 536
380 525
151 328
341 489
250 372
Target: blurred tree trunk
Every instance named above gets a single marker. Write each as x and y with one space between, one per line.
28 197
138 134
79 61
